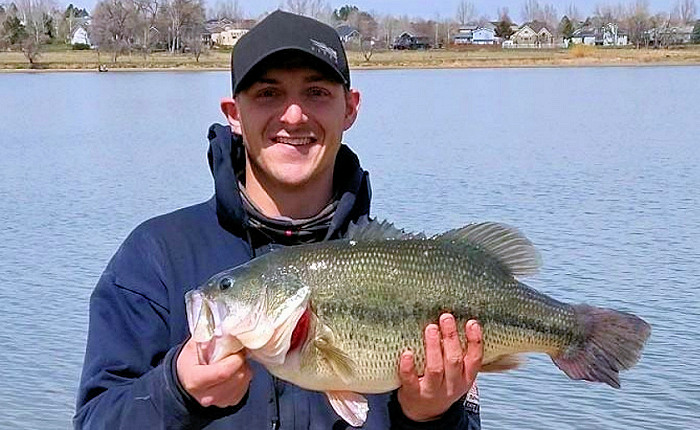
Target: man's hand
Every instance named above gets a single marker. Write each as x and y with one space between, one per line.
221 384
448 375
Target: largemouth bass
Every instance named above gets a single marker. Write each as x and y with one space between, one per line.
335 316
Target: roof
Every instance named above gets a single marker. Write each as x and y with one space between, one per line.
345 31
536 26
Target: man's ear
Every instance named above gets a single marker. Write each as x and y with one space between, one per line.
352 105
230 110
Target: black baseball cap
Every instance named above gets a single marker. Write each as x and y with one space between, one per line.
282 31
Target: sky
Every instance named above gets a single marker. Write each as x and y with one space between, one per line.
437 9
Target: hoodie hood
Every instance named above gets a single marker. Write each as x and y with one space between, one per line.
226 156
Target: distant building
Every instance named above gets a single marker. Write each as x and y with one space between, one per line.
484 36
347 33
607 35
80 36
533 34
407 40
224 32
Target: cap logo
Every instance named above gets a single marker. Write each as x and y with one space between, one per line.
324 49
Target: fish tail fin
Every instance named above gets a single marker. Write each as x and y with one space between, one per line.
613 341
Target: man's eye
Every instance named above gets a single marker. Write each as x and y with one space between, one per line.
267 93
318 92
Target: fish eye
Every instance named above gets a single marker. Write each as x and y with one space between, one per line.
225 284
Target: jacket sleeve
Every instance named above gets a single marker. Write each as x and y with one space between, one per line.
458 417
129 378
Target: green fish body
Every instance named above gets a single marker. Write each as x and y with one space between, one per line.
335 316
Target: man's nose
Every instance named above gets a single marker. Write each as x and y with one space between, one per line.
294 114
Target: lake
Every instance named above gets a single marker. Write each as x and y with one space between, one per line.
597 166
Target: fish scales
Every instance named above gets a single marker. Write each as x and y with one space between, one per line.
390 291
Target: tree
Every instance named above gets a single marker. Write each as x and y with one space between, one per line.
566 28
637 21
531 11
113 26
696 32
685 11
182 14
503 26
466 12
343 13
313 8
147 14
227 9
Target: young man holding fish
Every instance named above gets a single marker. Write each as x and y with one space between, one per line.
281 178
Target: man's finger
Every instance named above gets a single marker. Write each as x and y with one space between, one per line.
434 365
407 371
453 355
475 350
213 374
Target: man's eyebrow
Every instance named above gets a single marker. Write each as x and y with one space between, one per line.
309 79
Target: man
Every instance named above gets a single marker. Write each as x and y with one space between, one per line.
281 176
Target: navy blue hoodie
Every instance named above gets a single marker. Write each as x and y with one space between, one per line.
138 323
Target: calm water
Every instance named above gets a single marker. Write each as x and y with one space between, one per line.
597 166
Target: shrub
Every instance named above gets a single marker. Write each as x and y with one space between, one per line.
80 46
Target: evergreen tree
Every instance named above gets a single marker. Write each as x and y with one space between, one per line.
696 32
503 28
566 28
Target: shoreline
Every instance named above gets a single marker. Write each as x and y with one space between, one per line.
481 58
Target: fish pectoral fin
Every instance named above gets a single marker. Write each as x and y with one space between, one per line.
503 363
350 406
340 362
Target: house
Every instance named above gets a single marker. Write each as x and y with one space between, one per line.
533 35
224 32
607 35
347 33
464 34
484 36
584 36
407 40
671 35
80 36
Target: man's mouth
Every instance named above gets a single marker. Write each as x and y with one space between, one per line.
294 141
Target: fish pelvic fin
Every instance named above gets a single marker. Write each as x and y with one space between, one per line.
350 406
515 253
504 363
341 363
613 341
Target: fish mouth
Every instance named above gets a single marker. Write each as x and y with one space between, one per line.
204 316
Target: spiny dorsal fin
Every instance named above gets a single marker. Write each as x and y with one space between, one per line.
505 243
373 230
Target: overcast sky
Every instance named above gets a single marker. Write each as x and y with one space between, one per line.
424 8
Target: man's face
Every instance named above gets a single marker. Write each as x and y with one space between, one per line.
292 121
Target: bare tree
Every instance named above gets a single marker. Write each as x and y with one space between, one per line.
146 22
573 14
685 11
531 11
637 21
466 12
113 24
313 8
33 14
227 9
549 16
182 14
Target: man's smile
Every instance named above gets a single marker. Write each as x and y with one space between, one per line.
294 141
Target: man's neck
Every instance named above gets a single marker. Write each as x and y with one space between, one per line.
295 203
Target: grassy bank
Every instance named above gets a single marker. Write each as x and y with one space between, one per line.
449 58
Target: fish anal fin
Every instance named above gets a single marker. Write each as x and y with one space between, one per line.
350 406
504 363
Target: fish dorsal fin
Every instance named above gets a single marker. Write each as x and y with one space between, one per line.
373 230
350 406
340 362
506 244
